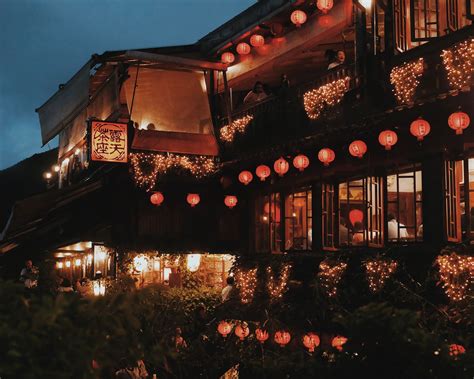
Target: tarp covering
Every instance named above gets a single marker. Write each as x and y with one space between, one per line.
65 104
172 101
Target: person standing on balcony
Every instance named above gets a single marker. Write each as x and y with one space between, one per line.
335 58
256 94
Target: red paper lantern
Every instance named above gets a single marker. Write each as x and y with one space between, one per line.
263 172
301 162
242 331
227 57
388 138
157 198
262 335
338 342
224 328
230 201
420 128
325 21
325 5
356 215
326 156
245 177
193 199
458 121
281 166
243 48
282 338
257 40
357 148
455 350
298 18
311 341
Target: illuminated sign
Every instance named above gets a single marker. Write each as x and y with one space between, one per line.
109 142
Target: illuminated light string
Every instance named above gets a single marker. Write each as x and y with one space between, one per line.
329 275
238 126
405 80
456 274
327 95
378 271
246 283
146 167
459 64
277 287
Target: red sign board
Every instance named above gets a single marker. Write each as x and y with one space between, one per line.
109 142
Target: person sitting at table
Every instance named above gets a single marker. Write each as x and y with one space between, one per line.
394 226
256 94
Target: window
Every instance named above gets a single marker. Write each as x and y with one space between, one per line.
404 206
298 221
361 212
328 215
424 19
268 223
453 178
400 24
465 170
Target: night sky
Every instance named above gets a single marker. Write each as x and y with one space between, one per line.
44 42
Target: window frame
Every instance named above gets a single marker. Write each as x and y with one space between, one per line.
329 216
309 217
273 199
424 12
452 202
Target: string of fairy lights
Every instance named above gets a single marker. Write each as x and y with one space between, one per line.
246 281
405 80
378 271
456 274
277 287
329 275
146 167
327 95
237 126
459 64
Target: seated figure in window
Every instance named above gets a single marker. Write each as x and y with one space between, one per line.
394 227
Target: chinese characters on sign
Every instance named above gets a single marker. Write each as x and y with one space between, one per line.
108 142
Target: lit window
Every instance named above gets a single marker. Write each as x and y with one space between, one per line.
404 206
328 216
454 209
298 221
268 223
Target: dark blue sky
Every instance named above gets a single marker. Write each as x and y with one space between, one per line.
44 42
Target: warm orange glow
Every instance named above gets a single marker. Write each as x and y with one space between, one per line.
338 342
458 121
325 5
224 328
59 265
455 350
281 166
245 177
243 48
420 128
227 57
193 199
282 338
263 172
326 156
109 142
242 330
388 138
257 40
356 215
357 148
230 201
77 262
157 198
301 162
311 341
298 17
261 334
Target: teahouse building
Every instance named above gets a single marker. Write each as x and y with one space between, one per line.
359 138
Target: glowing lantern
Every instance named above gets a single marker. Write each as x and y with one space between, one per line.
281 166
257 40
326 156
243 48
263 172
388 138
455 350
325 5
227 57
325 21
224 328
230 201
301 162
68 264
157 198
193 261
357 148
338 342
311 341
242 331
59 265
140 263
458 121
193 199
420 128
245 177
262 335
77 262
282 338
298 18
356 215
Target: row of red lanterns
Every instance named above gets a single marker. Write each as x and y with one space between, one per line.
282 337
193 199
419 128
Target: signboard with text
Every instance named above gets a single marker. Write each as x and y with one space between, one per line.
108 142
